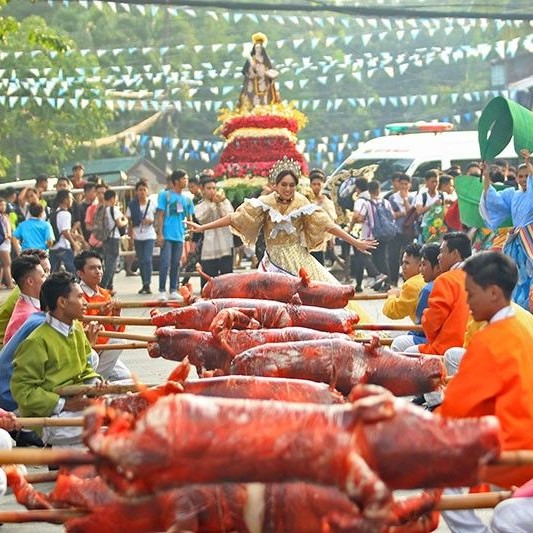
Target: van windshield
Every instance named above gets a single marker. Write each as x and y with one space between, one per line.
386 167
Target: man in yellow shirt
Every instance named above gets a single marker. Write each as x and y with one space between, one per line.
403 302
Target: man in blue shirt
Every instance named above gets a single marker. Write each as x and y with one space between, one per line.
34 232
173 208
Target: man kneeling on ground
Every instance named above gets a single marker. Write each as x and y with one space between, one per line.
89 270
54 355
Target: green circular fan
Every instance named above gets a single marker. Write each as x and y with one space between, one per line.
501 120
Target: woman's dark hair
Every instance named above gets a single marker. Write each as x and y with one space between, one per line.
457 240
58 285
493 268
143 182
317 174
430 252
284 173
81 258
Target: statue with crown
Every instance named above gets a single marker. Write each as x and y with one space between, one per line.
262 129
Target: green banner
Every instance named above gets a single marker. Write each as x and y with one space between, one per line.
502 120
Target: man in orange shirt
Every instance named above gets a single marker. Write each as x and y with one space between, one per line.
444 320
90 272
495 375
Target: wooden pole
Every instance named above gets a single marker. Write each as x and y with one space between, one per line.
50 422
387 327
367 297
99 390
122 346
137 304
514 458
46 456
119 320
482 500
53 516
127 336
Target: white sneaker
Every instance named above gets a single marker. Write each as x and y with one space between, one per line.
174 295
162 296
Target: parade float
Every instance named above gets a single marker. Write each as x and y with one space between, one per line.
260 131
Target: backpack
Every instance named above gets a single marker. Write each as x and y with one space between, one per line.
384 227
121 230
2 230
346 192
99 232
53 222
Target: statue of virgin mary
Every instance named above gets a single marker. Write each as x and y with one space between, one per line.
259 86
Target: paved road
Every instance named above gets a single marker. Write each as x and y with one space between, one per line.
150 371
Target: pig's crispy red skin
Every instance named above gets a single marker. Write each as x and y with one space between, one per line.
258 388
275 508
205 351
270 314
191 439
344 364
279 287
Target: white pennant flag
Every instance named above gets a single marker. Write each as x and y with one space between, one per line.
365 38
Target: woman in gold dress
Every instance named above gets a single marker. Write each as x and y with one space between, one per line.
291 225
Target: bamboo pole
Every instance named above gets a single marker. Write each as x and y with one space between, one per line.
387 327
137 304
46 456
140 321
367 297
50 422
99 390
482 500
53 516
127 336
514 458
122 346
119 320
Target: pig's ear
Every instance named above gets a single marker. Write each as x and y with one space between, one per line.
304 276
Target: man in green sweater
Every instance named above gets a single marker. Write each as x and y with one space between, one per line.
55 354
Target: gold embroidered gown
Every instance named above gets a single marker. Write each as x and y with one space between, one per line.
290 230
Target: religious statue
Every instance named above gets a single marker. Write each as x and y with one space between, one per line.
259 86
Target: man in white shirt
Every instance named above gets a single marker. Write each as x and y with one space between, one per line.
401 201
62 252
115 221
217 248
428 197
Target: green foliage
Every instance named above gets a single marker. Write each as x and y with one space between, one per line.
46 137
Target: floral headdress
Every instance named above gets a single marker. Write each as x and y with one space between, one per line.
284 165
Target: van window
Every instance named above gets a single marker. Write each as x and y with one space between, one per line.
420 172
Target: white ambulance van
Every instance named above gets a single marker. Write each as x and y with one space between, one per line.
416 153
